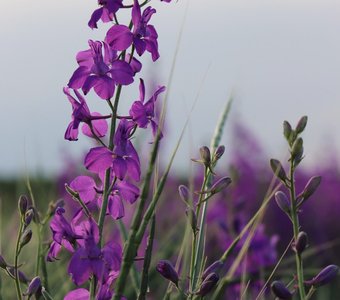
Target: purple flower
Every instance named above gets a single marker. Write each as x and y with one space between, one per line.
143 113
123 159
64 234
100 72
105 13
81 113
90 260
144 36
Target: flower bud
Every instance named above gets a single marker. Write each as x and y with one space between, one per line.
25 238
282 202
208 284
192 218
3 264
280 290
29 216
287 131
165 268
33 287
219 152
21 275
310 188
301 125
220 185
325 276
301 242
297 150
184 193
22 204
213 268
278 170
205 156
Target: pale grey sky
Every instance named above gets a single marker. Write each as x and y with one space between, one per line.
281 60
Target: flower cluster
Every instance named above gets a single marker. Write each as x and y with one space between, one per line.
105 67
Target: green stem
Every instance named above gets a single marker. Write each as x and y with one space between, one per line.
102 214
147 261
93 288
295 221
131 244
310 293
16 257
195 242
135 275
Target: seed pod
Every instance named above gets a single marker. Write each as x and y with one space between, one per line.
25 238
33 287
22 204
280 290
208 284
220 185
301 125
325 276
165 268
184 193
301 242
205 156
278 170
213 268
282 202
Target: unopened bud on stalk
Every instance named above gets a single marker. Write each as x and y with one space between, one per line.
310 188
282 202
22 204
205 156
184 193
213 268
297 150
208 284
287 131
25 238
33 287
219 152
165 268
301 242
325 276
280 290
3 264
301 125
278 170
220 185
192 218
21 275
29 216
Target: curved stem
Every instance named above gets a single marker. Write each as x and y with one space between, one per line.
16 257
